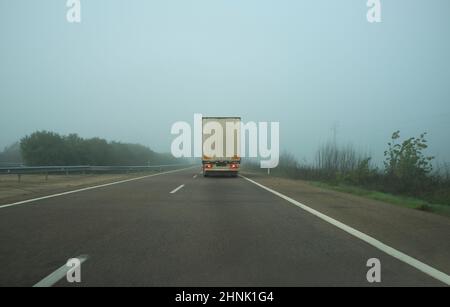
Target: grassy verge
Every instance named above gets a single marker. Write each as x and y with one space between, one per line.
403 201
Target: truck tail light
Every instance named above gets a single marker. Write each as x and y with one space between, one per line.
234 166
208 165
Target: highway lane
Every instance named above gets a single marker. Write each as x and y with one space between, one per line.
209 232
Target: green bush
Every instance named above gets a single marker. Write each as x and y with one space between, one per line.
45 148
406 166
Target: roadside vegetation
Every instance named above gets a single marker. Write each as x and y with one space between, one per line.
407 177
11 155
43 148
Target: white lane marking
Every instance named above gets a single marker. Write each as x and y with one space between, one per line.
195 176
88 188
176 190
57 275
441 276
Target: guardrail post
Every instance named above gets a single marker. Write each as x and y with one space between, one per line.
19 177
46 176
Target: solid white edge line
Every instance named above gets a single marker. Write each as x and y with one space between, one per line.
89 188
176 190
441 276
57 275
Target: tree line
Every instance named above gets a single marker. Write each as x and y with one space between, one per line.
45 148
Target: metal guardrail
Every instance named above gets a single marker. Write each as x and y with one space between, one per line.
81 168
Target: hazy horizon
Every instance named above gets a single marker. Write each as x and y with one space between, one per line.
130 70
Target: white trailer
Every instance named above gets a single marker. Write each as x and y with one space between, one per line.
221 142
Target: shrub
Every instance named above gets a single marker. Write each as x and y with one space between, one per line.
406 166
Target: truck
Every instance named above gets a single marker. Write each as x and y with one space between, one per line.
221 137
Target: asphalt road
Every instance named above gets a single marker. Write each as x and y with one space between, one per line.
209 232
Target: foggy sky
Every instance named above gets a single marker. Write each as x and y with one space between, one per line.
133 68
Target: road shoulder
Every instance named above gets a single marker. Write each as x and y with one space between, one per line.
422 235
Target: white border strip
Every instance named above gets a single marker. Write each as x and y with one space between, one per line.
57 275
89 188
441 276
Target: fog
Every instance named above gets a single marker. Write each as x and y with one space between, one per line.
131 69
